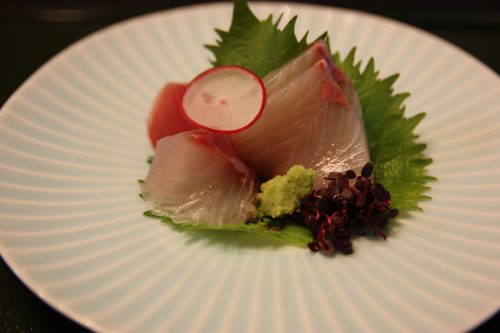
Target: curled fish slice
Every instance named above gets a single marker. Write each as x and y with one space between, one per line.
197 178
313 117
281 76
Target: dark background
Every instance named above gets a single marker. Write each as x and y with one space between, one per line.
31 32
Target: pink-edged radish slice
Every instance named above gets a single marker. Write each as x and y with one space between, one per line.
225 99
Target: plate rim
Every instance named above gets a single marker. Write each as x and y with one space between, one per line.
82 42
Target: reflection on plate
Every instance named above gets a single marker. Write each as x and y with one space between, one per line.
73 143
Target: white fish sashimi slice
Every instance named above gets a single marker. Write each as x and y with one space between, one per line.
269 146
347 87
345 145
309 121
197 178
281 76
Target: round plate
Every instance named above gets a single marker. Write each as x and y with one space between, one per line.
73 143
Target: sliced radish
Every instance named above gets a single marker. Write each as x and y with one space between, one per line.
224 99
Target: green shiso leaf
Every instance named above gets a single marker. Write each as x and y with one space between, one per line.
257 45
399 160
291 233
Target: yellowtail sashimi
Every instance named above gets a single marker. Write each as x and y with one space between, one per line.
196 178
313 117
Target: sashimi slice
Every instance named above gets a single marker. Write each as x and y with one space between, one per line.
283 75
310 121
196 177
166 118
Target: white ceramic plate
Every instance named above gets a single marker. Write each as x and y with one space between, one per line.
73 143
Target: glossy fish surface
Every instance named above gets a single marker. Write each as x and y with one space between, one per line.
313 117
196 177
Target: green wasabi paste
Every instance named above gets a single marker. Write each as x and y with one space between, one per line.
281 195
